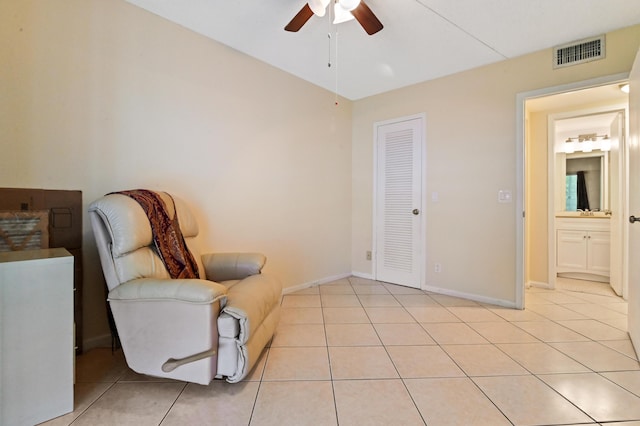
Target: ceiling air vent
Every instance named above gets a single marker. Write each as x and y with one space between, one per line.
578 52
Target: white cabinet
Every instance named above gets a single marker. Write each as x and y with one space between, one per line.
36 336
583 246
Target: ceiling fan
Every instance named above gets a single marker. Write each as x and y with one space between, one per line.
344 10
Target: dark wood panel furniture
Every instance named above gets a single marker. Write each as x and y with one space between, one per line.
65 229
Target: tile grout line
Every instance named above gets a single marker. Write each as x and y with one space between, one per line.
555 321
404 383
94 401
591 370
326 340
173 403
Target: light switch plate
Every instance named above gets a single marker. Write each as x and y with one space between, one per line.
504 196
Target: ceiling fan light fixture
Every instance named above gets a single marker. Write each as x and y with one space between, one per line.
349 5
343 11
341 14
318 7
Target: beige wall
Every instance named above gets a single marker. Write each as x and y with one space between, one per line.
471 155
101 96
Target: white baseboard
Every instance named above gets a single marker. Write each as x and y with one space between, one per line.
470 296
537 284
321 281
584 276
362 275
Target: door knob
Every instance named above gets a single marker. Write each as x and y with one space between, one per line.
416 212
633 219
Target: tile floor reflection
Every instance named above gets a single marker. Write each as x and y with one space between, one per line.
361 352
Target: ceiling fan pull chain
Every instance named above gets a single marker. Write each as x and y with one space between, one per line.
336 68
329 61
333 27
329 34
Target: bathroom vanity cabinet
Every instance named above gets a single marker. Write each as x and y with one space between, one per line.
583 246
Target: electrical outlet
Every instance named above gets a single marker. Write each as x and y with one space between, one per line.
368 255
437 268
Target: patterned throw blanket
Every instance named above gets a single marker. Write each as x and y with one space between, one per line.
167 236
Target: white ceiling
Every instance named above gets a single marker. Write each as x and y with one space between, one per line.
421 40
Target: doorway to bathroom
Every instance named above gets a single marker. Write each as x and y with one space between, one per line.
575 145
588 184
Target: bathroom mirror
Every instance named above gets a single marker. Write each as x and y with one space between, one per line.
586 179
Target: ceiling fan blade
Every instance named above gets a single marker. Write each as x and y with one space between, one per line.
367 19
300 19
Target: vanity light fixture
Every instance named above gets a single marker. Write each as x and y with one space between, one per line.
587 143
570 146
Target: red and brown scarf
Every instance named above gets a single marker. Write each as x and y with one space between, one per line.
167 236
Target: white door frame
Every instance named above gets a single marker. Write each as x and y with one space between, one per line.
521 99
423 209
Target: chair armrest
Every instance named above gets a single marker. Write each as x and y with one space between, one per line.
232 266
182 290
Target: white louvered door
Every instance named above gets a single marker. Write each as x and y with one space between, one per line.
399 220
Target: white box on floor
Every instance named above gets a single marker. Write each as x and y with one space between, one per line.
36 335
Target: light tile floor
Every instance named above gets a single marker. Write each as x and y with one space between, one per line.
360 352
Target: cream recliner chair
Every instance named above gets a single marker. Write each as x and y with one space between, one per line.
185 329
